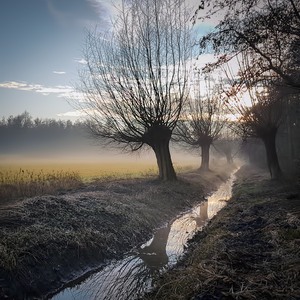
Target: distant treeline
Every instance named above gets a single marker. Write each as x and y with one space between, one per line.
22 133
25 121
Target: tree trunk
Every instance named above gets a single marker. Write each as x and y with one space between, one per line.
205 157
158 137
164 161
227 150
272 158
229 158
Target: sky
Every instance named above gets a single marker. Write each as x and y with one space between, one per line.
41 44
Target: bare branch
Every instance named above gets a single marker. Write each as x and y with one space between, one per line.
135 83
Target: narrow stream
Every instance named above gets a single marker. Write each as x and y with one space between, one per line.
132 276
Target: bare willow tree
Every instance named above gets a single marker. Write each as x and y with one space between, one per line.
202 119
228 143
270 30
135 81
261 112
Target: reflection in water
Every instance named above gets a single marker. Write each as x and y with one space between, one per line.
131 277
218 199
154 253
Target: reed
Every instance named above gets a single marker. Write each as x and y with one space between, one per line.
48 178
27 183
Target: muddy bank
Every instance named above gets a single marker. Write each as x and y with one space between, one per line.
50 240
250 250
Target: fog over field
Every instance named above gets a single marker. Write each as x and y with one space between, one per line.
103 157
89 158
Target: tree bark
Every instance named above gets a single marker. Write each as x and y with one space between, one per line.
158 137
229 158
272 158
164 161
205 157
227 150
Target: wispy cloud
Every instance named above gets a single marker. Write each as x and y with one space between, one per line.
100 6
61 91
80 61
106 10
73 114
59 72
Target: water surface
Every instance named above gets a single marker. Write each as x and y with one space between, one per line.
132 276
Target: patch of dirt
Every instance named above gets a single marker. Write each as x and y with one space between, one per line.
48 241
250 250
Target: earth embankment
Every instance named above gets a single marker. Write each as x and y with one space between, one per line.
250 250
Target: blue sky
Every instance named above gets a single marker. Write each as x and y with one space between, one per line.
40 53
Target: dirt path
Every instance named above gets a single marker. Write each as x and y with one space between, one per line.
49 240
250 250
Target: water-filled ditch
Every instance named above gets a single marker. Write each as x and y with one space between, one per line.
132 276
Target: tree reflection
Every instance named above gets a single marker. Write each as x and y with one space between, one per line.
202 217
131 277
155 255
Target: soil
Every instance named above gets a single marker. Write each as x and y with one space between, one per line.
48 241
250 250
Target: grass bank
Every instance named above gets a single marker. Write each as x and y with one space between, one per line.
250 250
46 241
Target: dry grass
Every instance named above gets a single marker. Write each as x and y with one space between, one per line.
24 183
71 232
249 251
90 170
47 240
32 179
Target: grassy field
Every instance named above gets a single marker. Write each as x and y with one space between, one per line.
30 178
87 171
18 183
